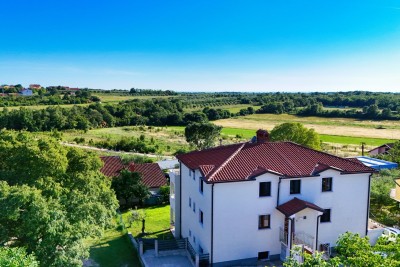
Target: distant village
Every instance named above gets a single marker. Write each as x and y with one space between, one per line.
33 89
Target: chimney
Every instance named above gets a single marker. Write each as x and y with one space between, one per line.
262 136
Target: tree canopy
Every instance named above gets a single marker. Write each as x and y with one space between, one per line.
52 198
297 133
16 257
353 250
202 135
129 185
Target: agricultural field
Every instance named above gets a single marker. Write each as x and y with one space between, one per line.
325 126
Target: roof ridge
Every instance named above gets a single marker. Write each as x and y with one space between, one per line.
211 176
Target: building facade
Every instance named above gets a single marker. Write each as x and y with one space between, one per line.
254 201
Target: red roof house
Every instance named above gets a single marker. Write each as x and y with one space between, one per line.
253 201
152 175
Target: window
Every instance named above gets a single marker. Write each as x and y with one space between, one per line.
201 250
265 189
295 186
194 177
201 185
200 216
190 233
326 217
194 239
264 221
327 184
263 255
190 202
194 206
190 172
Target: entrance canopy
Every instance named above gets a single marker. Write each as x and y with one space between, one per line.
295 205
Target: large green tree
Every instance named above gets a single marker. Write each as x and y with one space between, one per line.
52 198
296 132
202 135
129 185
16 257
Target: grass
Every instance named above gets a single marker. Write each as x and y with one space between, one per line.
113 250
157 223
324 126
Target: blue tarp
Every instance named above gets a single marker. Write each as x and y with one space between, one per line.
377 164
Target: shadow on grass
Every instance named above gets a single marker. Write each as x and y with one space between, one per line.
162 234
114 253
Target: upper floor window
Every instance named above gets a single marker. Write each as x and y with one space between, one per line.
327 184
194 176
190 202
295 186
265 189
264 221
326 216
190 172
201 185
200 216
194 206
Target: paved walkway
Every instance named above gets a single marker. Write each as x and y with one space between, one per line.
166 259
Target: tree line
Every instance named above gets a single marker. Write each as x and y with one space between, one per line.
154 112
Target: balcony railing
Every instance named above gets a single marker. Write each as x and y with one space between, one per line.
301 238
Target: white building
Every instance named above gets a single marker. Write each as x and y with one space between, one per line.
251 201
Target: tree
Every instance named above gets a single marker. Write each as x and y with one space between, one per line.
52 198
202 135
296 132
129 185
16 257
164 192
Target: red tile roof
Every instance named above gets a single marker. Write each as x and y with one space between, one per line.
245 161
295 205
112 165
152 175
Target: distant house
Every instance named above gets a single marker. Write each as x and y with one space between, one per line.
72 89
152 176
35 86
26 92
383 149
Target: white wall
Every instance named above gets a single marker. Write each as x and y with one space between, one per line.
190 219
347 201
237 206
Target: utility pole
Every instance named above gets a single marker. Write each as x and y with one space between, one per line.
362 148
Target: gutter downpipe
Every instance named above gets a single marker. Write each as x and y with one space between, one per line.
180 199
212 225
368 200
316 234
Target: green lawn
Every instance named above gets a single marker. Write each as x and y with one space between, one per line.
113 250
157 223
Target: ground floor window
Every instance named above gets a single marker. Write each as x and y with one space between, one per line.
326 216
263 255
264 221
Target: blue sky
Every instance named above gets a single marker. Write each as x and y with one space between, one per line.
202 45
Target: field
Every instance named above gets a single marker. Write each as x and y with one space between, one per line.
325 126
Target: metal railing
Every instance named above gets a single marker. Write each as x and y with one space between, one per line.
301 238
283 236
172 244
191 251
